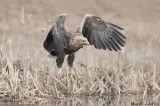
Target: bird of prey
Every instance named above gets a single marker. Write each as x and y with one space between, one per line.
92 31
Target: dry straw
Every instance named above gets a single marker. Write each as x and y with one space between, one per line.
26 73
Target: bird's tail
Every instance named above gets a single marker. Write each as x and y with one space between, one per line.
52 54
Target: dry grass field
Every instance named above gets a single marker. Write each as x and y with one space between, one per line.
26 72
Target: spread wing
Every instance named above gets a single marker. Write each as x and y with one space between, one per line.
101 34
56 40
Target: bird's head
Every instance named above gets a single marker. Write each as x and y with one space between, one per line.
80 40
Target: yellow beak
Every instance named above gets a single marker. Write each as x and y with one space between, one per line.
87 43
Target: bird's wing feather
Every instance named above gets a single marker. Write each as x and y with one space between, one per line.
101 34
56 39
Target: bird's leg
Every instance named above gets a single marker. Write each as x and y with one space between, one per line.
60 74
59 60
70 63
72 72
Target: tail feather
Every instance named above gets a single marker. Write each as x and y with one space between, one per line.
52 54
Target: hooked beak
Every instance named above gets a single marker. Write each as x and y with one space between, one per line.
87 43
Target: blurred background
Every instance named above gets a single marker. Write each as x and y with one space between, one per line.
132 15
30 20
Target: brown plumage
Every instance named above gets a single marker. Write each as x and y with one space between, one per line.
92 30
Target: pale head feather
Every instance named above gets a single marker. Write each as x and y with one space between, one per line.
80 40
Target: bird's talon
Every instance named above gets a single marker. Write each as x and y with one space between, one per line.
72 73
60 74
